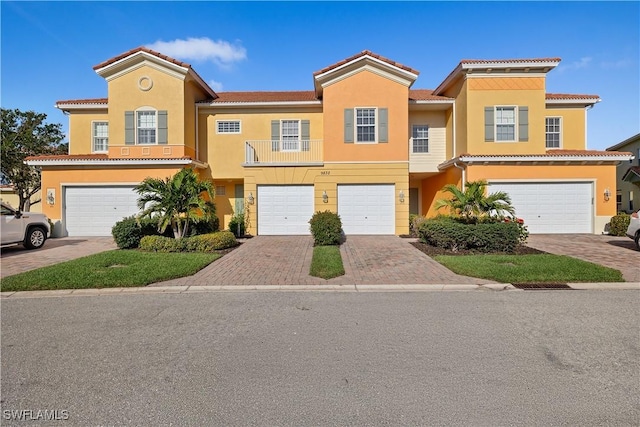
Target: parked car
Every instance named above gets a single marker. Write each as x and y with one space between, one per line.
23 228
634 228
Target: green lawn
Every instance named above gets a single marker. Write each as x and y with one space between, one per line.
544 268
117 268
326 262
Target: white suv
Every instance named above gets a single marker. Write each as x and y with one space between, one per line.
23 228
634 228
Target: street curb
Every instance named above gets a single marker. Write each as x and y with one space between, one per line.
492 287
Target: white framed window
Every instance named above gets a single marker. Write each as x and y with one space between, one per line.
553 130
365 125
505 122
290 135
100 137
221 190
146 127
420 138
228 126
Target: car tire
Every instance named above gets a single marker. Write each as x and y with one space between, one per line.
35 238
637 240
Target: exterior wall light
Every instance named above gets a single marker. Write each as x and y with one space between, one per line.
325 197
401 196
250 199
607 194
51 196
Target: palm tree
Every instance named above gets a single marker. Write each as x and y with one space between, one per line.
472 203
175 201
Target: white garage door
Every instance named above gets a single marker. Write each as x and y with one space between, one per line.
284 209
367 209
92 211
551 207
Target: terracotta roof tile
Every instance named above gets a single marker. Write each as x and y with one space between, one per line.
84 101
570 96
508 61
425 95
260 96
366 53
557 153
141 49
105 157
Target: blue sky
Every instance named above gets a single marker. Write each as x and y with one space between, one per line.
48 49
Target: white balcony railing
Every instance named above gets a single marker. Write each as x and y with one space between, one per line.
283 152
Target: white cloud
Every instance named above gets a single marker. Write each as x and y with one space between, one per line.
216 86
576 65
203 49
612 65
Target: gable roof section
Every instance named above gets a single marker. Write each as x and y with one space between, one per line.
634 138
632 174
119 64
364 60
468 66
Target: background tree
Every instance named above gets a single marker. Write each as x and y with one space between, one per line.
473 203
176 201
25 133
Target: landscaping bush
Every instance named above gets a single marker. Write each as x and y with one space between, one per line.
236 225
619 224
200 243
211 242
127 233
205 226
483 237
326 228
414 223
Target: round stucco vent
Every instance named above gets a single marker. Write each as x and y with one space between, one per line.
145 83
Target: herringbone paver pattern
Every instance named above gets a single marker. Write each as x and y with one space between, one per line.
611 251
285 260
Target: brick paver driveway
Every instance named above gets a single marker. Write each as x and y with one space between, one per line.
17 259
285 260
611 251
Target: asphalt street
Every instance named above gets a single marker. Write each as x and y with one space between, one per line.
483 358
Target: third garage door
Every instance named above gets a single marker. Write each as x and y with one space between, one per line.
367 209
551 207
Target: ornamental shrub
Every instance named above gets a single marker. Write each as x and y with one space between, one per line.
236 225
326 228
163 244
619 224
211 242
482 237
127 233
414 223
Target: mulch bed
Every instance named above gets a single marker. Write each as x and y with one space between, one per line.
433 250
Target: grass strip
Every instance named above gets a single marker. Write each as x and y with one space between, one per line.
117 268
326 262
544 268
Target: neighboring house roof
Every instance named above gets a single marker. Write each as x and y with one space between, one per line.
426 95
632 174
548 156
104 159
540 65
265 96
362 54
112 66
619 145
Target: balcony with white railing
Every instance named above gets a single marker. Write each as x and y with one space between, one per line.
294 152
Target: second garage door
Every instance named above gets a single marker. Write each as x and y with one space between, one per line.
551 207
92 211
284 209
367 209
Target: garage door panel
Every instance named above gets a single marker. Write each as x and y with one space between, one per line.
551 207
94 210
284 209
367 209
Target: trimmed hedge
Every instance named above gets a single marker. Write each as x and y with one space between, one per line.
326 228
200 243
483 237
127 233
619 224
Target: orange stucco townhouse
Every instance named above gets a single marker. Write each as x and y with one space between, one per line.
361 142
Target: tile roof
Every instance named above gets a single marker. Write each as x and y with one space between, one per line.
84 101
140 49
508 61
570 96
104 157
558 153
265 96
366 53
425 95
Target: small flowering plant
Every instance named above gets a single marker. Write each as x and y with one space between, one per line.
523 231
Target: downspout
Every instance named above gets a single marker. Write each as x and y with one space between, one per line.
453 133
464 174
586 129
197 139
